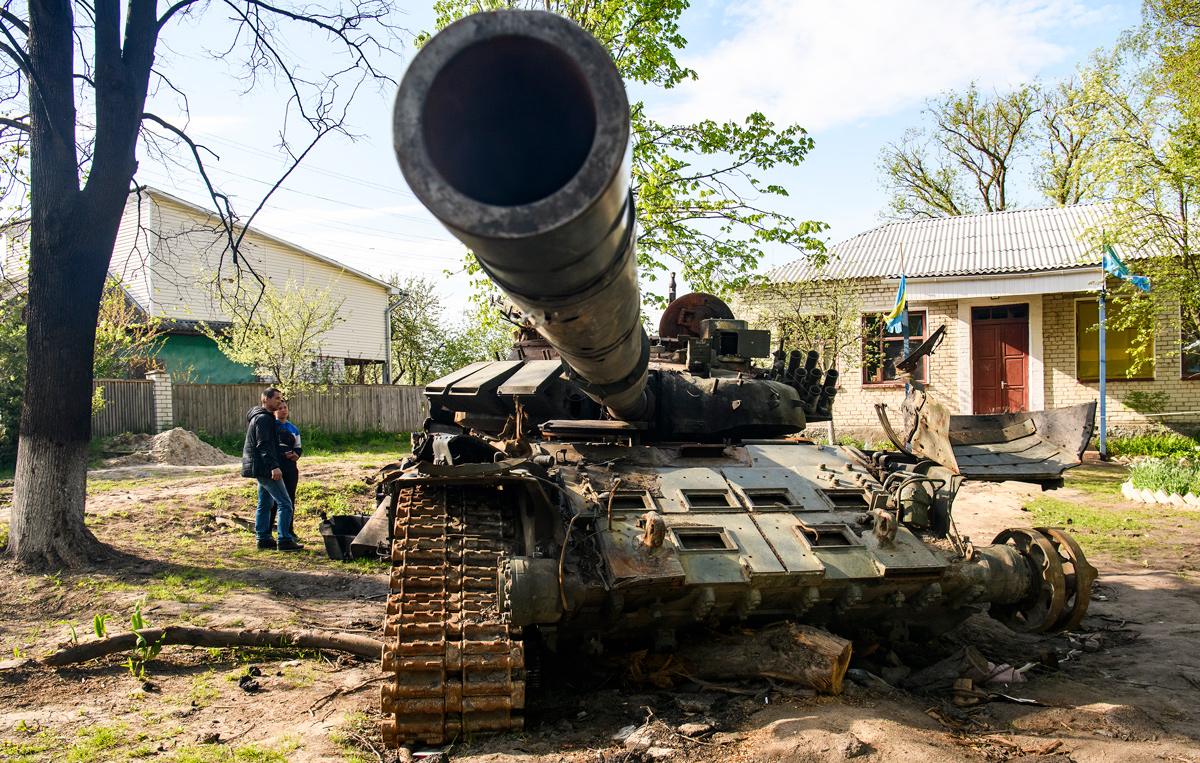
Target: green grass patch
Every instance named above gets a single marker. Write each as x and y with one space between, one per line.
93 741
220 753
312 498
319 443
1157 444
1097 480
30 745
1118 534
3 535
1168 475
191 584
96 486
346 736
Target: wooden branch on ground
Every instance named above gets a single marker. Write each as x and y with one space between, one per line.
217 637
793 653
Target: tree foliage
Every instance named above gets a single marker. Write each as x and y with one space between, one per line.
1150 104
828 319
280 332
12 373
127 339
426 345
963 160
705 207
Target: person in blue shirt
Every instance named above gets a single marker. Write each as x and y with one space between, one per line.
290 448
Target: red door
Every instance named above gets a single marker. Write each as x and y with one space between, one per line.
1000 358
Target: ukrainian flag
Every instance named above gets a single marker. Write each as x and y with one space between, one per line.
1113 266
895 318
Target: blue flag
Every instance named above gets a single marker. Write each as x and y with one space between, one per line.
894 319
1114 267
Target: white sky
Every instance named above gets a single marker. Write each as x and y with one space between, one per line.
855 74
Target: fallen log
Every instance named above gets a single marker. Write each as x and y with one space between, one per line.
790 652
175 635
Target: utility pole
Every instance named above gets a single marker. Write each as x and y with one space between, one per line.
1103 377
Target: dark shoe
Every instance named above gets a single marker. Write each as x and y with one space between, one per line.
266 545
289 545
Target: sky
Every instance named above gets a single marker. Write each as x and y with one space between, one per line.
855 74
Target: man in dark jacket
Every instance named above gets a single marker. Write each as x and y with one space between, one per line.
261 460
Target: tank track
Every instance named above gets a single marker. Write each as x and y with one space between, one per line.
458 667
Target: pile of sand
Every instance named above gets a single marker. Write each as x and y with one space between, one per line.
177 447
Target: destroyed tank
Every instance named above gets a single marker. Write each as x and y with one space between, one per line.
600 485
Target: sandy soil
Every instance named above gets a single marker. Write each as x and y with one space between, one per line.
1129 691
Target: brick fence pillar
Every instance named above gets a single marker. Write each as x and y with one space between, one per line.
164 410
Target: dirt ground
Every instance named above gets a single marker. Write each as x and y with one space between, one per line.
1127 687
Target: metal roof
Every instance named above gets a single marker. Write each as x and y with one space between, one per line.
1013 241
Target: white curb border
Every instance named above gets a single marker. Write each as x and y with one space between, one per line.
1145 495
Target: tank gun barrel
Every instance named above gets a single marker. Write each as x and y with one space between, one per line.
512 127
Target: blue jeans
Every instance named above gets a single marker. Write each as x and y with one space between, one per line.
268 491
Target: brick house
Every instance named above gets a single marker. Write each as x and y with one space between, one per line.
1016 291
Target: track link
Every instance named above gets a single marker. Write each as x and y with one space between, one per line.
458 669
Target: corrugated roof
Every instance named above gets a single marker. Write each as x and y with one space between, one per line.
1013 241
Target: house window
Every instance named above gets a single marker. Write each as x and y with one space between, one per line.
1118 343
882 349
1189 345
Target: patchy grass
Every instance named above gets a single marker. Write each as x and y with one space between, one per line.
312 498
320 444
29 745
1158 444
3 535
185 586
202 692
1097 480
220 753
1115 531
97 485
347 736
1173 477
93 742
190 585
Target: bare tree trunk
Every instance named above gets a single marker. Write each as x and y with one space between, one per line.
71 237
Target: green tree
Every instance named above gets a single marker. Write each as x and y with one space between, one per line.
963 161
12 374
1152 154
483 335
279 332
827 318
704 206
419 337
127 339
1072 139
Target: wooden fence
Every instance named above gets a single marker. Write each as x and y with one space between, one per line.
220 409
128 407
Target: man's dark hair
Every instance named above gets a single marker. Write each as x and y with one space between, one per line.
270 393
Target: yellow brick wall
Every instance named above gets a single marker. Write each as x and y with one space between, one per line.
1063 388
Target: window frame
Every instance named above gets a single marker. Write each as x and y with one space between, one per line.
1075 350
1183 376
914 340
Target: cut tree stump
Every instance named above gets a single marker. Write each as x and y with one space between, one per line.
216 637
790 652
